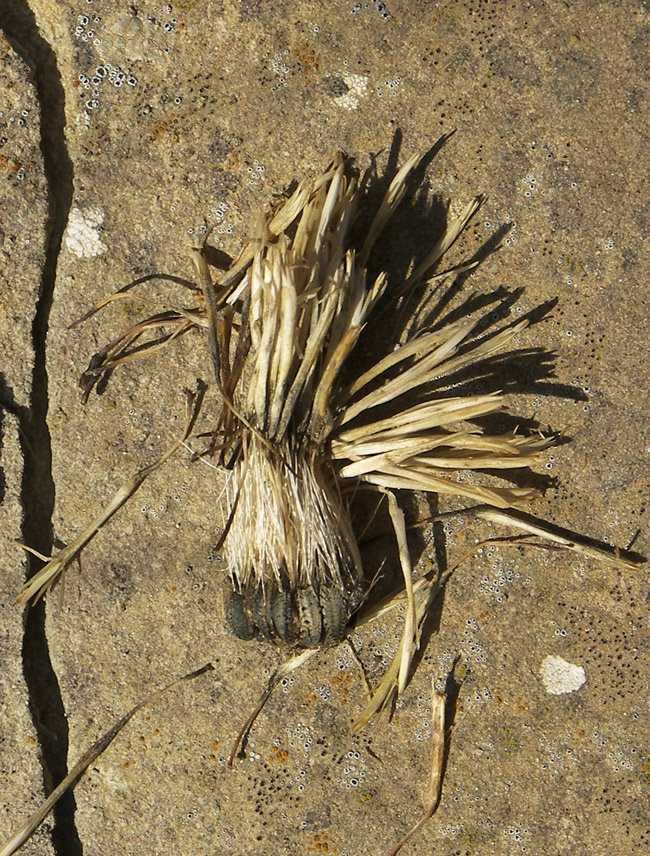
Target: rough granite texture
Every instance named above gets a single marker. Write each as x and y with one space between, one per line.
192 114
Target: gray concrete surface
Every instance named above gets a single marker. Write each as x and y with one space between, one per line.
197 113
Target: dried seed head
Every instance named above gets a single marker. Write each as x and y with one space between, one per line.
237 616
282 612
310 620
293 432
289 539
288 528
281 324
335 617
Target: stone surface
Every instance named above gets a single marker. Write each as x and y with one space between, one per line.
191 115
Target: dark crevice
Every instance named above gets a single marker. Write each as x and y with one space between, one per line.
37 491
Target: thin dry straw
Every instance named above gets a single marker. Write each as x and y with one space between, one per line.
395 679
434 790
37 585
533 526
280 673
34 821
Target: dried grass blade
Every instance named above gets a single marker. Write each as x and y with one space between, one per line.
416 346
382 696
203 272
330 204
280 673
476 461
351 312
391 454
312 351
375 292
285 347
391 200
485 347
396 478
34 821
542 530
442 245
411 636
293 207
424 417
419 373
434 790
37 585
105 359
102 363
262 388
456 270
123 292
196 315
424 591
323 392
283 218
459 443
394 681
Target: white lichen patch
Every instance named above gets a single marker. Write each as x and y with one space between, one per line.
357 85
134 38
82 235
559 676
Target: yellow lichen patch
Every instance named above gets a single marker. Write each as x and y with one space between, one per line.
278 756
509 741
520 705
9 164
232 160
320 843
342 682
307 60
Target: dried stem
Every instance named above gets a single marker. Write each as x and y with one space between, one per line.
34 821
434 790
37 585
280 673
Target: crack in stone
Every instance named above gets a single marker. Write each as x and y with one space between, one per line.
37 491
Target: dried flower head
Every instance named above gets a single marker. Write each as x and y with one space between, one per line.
295 430
302 427
299 425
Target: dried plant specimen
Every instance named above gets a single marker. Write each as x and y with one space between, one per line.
300 430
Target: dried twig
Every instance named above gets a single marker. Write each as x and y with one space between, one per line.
280 673
558 537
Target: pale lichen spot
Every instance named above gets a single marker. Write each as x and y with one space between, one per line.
357 85
134 38
82 234
559 676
